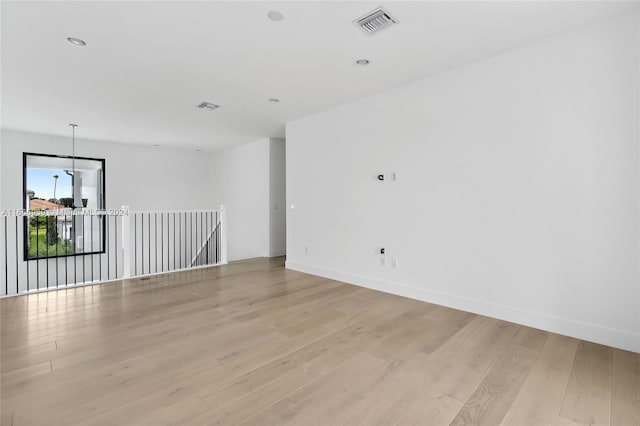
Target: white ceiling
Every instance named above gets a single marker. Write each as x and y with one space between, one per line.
148 64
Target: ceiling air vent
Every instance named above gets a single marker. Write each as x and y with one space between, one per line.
375 21
208 105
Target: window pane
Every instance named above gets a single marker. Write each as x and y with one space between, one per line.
64 186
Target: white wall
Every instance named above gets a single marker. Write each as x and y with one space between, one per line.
277 196
240 180
250 181
517 194
143 178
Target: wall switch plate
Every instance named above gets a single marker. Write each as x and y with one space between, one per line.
382 261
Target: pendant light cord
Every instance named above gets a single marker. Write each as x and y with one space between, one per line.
73 165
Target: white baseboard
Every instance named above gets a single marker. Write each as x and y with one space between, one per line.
565 326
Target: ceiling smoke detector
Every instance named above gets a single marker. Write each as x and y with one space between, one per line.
375 21
275 15
208 105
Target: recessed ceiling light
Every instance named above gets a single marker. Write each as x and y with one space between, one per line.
362 62
274 100
156 144
198 150
76 41
274 15
207 105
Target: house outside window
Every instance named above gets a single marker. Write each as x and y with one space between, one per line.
70 193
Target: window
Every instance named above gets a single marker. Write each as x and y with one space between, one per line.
69 192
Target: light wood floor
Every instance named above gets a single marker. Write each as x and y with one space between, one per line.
255 344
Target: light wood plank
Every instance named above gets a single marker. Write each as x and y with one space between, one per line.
232 407
433 409
315 403
625 390
468 356
6 417
26 373
588 396
490 402
253 342
540 398
393 389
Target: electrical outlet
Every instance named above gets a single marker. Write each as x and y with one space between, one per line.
394 176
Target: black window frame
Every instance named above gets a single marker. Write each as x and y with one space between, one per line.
25 207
